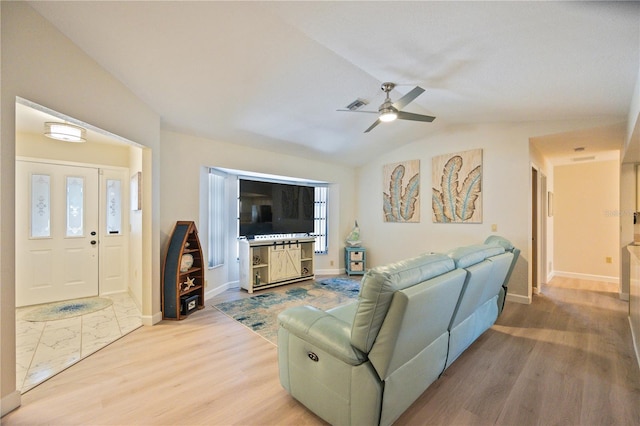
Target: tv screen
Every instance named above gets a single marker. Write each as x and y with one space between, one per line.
275 208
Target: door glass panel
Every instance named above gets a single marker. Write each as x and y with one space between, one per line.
75 206
114 206
40 206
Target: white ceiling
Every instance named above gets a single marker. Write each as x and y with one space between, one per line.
273 74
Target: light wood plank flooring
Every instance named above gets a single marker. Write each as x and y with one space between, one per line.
565 359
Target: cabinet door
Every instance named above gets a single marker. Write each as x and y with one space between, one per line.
284 263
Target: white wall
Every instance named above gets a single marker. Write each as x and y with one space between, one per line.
182 162
40 146
43 66
505 188
633 121
587 220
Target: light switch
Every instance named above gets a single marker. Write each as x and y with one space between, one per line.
494 228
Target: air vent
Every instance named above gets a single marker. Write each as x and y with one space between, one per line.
584 158
357 104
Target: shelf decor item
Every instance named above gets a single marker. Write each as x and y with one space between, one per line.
186 262
353 239
183 273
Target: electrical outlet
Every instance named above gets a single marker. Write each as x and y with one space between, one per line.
608 259
331 263
206 283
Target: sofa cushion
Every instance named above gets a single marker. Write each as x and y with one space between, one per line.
496 240
378 286
470 255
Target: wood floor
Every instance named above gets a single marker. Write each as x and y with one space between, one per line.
566 359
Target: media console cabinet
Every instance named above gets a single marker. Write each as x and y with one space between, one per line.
270 263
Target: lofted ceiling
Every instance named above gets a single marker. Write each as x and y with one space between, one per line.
272 74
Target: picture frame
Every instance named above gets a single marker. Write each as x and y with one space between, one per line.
136 191
457 187
401 192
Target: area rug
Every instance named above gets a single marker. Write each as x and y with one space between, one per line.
67 309
260 312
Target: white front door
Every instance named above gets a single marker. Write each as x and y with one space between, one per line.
56 232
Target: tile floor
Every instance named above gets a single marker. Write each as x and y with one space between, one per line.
44 349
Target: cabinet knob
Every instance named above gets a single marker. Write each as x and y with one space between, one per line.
313 357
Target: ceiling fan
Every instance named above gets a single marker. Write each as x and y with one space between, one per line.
389 111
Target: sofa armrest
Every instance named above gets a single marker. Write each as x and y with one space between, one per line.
322 330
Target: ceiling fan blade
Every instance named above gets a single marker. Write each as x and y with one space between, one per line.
373 125
406 99
352 110
415 117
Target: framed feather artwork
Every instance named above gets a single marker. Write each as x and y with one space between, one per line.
457 187
401 191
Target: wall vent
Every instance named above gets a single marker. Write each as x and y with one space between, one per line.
584 158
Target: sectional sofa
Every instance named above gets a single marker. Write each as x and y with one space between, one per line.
366 362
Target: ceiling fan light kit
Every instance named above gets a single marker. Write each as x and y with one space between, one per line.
388 115
390 111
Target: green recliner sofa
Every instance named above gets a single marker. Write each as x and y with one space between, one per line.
366 362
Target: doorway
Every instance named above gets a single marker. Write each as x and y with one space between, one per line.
539 210
84 246
534 230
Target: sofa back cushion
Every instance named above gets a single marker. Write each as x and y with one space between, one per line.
415 328
500 266
470 255
506 244
378 286
497 240
474 259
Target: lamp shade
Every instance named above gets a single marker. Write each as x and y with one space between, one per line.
64 132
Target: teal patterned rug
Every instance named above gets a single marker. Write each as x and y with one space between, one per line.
67 309
260 312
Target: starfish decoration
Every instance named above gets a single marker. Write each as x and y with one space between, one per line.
188 284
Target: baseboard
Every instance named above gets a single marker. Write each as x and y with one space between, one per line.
589 277
10 403
525 300
151 319
220 289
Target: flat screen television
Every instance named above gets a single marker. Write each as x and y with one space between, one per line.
268 208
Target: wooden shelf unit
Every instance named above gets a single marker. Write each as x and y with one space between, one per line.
270 263
175 288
